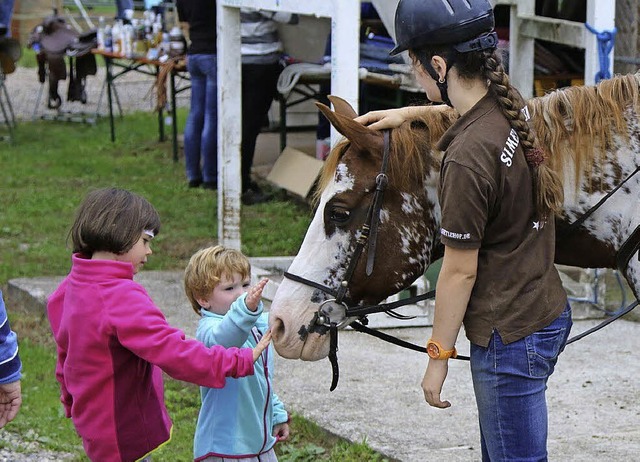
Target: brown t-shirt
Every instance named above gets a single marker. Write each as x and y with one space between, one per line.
487 203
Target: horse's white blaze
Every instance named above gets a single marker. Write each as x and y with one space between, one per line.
318 255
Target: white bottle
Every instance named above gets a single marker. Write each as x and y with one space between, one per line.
116 33
100 33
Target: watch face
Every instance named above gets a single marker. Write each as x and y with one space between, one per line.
433 350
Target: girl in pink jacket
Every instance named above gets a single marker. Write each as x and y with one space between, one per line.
113 342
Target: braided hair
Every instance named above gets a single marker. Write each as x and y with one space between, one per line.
547 186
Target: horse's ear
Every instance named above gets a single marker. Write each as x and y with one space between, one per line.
341 106
359 135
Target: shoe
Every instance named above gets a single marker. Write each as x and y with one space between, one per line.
195 183
210 185
251 197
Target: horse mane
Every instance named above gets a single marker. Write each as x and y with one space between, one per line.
580 122
412 150
583 121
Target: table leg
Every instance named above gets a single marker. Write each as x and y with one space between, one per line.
174 117
107 62
160 113
283 121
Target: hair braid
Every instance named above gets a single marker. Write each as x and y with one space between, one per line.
547 187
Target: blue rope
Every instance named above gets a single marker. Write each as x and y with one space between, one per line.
606 40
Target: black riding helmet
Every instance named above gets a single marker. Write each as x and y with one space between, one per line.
466 25
461 25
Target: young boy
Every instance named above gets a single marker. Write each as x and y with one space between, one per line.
246 418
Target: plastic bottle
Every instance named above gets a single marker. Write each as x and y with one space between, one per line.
100 33
177 42
108 39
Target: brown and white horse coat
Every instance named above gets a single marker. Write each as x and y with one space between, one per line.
592 135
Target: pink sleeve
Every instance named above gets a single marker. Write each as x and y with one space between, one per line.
141 327
54 313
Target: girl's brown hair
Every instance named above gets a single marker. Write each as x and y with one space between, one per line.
111 220
547 186
208 266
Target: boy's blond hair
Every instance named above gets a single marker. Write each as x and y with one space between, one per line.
208 266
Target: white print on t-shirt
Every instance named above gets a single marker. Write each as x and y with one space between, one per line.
538 225
453 235
510 148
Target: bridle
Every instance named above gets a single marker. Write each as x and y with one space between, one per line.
337 312
339 305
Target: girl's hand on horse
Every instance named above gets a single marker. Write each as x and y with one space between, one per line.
393 118
386 119
254 294
433 380
262 345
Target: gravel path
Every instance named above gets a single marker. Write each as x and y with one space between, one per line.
17 450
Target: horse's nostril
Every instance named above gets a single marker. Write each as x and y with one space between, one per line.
277 330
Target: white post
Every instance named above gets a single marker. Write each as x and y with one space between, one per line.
601 16
344 82
521 49
345 53
229 125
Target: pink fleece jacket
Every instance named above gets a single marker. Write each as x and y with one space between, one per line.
113 343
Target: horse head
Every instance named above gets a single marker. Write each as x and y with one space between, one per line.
407 216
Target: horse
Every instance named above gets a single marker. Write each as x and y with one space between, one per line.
592 137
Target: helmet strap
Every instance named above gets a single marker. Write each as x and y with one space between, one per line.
442 82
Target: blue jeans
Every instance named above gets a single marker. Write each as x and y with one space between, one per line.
121 6
6 12
510 383
201 129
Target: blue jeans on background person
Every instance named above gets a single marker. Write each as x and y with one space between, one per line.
510 382
121 6
201 129
6 12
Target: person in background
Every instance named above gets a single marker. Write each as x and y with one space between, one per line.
245 419
201 130
10 366
6 13
261 54
498 198
113 342
124 10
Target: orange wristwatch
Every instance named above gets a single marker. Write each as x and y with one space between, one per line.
435 351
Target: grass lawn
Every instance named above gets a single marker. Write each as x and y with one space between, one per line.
45 174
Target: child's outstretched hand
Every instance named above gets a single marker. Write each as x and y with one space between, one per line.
254 294
262 345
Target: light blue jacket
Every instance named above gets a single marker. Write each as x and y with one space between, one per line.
10 364
238 420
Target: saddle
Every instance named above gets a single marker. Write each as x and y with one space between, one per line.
10 53
54 39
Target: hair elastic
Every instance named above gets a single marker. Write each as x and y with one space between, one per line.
534 156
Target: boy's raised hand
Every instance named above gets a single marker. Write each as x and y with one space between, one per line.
254 294
262 345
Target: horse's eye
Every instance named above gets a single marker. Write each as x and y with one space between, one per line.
339 216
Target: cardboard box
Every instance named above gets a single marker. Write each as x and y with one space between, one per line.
295 171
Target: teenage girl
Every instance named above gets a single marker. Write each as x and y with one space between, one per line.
498 199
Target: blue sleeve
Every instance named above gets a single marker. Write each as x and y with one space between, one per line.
232 330
10 364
